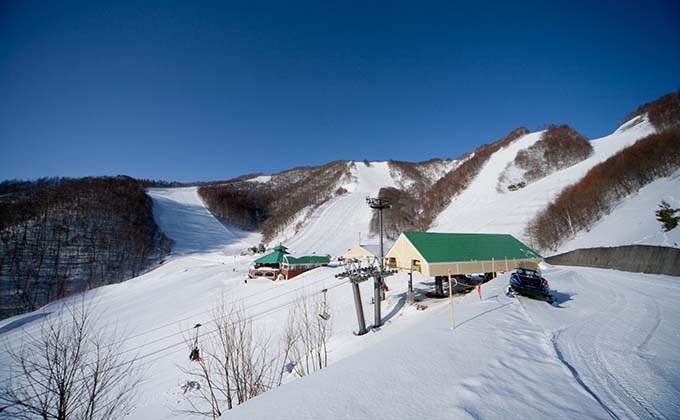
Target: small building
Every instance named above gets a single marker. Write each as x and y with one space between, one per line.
273 259
269 266
439 254
291 266
367 253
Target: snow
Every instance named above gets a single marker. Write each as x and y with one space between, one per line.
261 178
637 214
482 208
507 358
608 351
344 219
185 219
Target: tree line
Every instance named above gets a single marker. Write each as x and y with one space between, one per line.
416 207
271 206
60 236
580 205
560 147
663 112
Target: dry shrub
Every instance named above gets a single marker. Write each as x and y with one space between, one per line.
663 113
560 147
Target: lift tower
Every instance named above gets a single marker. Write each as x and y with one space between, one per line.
380 204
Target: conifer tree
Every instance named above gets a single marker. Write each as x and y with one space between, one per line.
666 215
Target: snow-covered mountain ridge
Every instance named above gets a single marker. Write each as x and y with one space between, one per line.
480 207
608 351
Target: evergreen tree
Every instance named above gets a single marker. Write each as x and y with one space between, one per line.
666 215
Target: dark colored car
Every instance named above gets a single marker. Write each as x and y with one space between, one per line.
528 282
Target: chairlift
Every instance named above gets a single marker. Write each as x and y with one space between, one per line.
324 307
195 355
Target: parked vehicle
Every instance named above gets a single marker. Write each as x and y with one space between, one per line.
529 282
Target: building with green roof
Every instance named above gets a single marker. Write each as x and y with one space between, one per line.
273 259
439 254
291 266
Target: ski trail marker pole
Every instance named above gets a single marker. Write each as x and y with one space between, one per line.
453 318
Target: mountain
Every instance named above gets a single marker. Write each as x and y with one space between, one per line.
608 351
63 236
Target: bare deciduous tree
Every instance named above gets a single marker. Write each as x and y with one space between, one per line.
68 370
306 335
235 364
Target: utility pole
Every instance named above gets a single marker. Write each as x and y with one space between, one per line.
379 204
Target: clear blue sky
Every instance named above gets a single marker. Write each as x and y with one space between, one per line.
200 90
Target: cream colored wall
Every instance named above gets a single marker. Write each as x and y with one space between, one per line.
405 252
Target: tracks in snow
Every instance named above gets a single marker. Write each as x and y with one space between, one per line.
608 348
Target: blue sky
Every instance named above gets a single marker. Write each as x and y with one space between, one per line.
211 90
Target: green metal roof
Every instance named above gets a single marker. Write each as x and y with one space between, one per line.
281 248
459 247
308 259
272 258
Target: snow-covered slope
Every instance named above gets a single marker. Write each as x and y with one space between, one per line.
481 208
342 222
185 219
608 352
633 221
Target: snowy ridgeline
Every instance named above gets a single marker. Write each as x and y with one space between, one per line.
607 350
67 236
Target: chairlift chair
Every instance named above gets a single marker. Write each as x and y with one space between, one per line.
324 308
195 355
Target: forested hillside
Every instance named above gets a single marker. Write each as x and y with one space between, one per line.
416 206
581 205
61 236
414 179
270 206
559 147
663 112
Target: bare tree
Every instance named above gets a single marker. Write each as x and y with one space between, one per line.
68 370
234 365
306 335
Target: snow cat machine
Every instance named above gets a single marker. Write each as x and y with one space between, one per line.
529 282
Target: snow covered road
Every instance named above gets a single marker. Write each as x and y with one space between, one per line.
622 341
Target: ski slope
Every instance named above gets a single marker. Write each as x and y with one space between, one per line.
481 208
343 222
609 351
187 221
